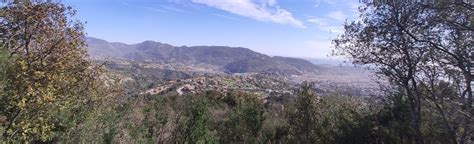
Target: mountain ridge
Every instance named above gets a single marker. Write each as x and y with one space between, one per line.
230 59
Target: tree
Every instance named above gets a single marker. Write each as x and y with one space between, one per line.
196 129
4 64
244 121
303 118
449 40
342 120
418 47
50 79
197 126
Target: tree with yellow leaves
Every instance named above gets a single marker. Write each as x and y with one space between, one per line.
48 79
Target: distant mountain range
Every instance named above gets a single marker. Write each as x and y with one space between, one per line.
230 59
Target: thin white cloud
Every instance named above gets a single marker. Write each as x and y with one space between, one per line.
177 1
324 25
270 2
226 17
337 15
330 2
350 8
171 8
318 21
125 3
262 10
155 9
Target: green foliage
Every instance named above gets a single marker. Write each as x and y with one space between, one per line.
197 127
244 121
49 81
329 119
274 130
4 65
342 120
303 118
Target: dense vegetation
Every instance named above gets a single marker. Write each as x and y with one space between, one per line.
51 92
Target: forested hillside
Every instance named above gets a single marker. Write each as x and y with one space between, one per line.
53 91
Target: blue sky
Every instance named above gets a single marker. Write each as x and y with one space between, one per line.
296 28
